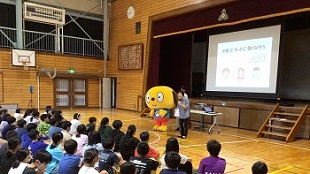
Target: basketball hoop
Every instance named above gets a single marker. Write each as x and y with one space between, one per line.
25 64
48 72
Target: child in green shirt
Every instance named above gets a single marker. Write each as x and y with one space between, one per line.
44 126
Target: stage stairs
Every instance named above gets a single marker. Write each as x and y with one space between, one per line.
145 112
284 122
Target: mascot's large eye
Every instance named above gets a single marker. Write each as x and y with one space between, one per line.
148 98
160 97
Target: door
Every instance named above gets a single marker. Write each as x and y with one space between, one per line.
70 92
106 93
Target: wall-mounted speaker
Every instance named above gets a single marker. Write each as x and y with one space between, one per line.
138 27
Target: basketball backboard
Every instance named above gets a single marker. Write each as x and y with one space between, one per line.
23 58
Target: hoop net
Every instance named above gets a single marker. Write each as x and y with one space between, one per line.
25 64
48 72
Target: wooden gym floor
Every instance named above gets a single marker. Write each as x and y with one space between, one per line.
240 147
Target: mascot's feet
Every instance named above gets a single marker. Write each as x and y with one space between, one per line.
155 128
162 128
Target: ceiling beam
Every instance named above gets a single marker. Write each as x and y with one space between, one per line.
11 2
95 18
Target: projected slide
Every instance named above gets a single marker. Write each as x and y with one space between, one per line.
244 61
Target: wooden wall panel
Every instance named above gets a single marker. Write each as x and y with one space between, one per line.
93 92
4 58
16 80
127 92
63 62
16 87
230 116
305 129
252 119
46 92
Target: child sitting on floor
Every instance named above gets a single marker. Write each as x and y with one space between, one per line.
213 163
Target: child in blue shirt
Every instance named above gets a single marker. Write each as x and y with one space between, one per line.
56 152
36 145
21 130
70 163
26 140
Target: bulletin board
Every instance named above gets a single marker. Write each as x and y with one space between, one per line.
130 57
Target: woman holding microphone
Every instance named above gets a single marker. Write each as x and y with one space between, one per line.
184 108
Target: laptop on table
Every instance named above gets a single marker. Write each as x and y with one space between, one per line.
208 109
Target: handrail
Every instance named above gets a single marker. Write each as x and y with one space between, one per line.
35 40
62 35
6 37
8 28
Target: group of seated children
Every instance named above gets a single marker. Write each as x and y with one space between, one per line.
57 146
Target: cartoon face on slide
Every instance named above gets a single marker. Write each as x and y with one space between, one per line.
161 97
225 73
256 72
241 72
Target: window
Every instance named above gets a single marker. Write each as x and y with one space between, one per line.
70 92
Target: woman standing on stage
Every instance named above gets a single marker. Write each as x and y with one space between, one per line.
184 108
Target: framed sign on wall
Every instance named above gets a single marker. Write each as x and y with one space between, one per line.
130 57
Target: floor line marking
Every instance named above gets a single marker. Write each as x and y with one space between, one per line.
296 147
241 168
281 170
130 120
232 142
158 138
237 136
147 119
197 145
262 140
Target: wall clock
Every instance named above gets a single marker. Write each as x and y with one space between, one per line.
130 12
